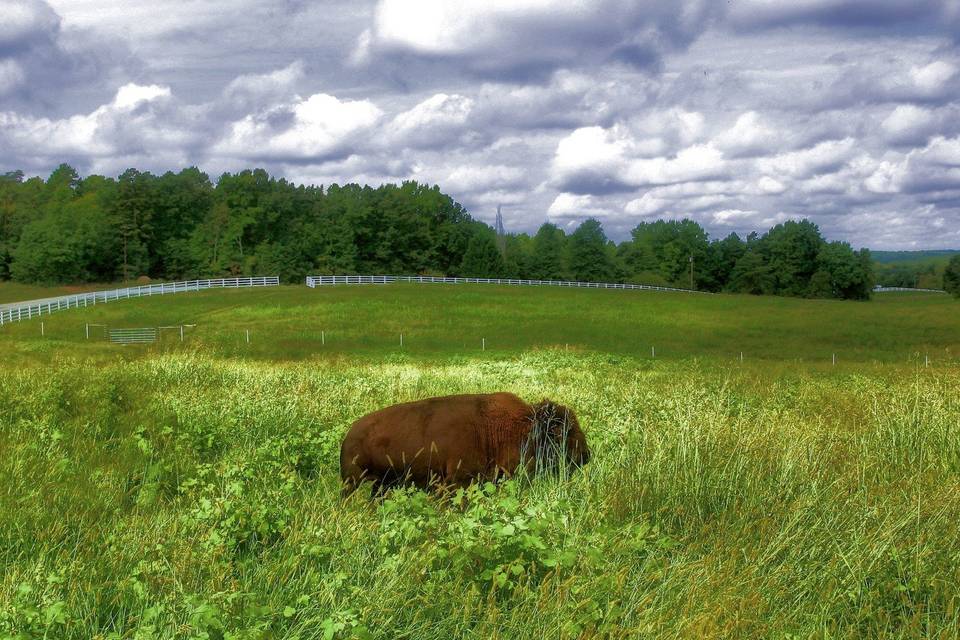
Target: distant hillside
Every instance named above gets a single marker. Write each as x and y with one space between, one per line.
911 268
887 257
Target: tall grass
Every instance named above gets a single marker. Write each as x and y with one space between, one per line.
183 495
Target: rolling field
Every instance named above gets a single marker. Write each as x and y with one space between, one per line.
16 292
190 490
443 321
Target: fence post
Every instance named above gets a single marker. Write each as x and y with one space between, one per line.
181 333
41 329
653 352
323 339
483 344
248 336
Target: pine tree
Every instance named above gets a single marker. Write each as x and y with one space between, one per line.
482 258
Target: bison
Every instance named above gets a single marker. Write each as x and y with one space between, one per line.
452 440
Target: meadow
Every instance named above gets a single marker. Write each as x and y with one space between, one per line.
449 321
190 490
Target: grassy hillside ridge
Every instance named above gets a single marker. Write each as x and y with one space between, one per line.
179 495
442 321
922 269
888 257
17 292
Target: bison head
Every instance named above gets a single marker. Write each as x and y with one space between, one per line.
555 438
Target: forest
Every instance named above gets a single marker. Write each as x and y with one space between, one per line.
71 229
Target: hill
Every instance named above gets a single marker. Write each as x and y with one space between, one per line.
888 257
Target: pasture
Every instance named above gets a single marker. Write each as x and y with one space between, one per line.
190 490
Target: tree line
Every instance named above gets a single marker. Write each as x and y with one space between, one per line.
183 226
926 273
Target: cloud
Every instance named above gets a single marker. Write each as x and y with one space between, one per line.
24 22
131 123
439 120
131 95
749 136
11 76
312 129
257 89
44 67
572 205
529 38
646 205
909 125
484 178
821 158
735 217
597 160
920 15
932 78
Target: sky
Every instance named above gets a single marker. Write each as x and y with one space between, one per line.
738 114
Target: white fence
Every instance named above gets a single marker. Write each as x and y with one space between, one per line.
889 289
33 308
322 281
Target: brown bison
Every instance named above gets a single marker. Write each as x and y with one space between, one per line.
453 440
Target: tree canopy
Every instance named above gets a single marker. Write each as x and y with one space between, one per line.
183 225
951 276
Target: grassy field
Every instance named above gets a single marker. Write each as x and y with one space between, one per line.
442 321
190 490
16 292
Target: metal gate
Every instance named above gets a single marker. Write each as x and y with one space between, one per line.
144 335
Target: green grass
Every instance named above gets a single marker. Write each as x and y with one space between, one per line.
16 292
442 321
191 491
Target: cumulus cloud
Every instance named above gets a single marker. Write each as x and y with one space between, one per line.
484 178
41 63
131 123
527 38
572 205
933 77
735 217
820 158
315 128
909 125
439 120
256 89
749 136
593 159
